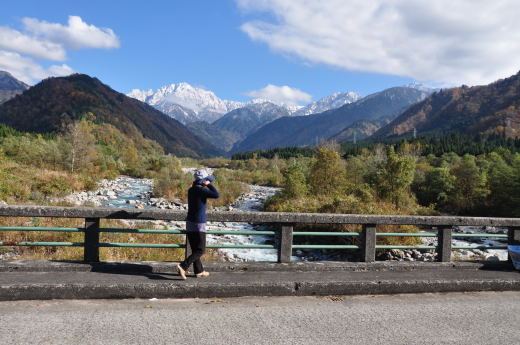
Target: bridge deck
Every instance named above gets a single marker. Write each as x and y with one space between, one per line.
145 281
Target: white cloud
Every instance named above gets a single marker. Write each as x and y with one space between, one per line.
60 70
445 41
281 95
16 41
50 41
27 70
76 35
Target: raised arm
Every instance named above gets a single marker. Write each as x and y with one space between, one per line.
211 192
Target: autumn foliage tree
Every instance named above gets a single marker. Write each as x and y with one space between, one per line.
82 150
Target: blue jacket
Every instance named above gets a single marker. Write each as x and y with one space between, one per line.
197 197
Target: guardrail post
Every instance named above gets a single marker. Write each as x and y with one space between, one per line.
285 246
513 239
91 246
444 244
368 243
513 236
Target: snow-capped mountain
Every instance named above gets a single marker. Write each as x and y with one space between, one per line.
196 104
290 108
177 111
422 87
240 122
305 130
333 101
188 103
257 113
140 95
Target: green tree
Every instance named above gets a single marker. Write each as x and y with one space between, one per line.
394 176
327 176
295 185
469 192
503 183
515 188
356 169
436 186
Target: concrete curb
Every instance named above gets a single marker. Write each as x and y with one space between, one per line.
209 290
42 280
170 267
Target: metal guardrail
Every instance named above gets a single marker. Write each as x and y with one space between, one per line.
367 237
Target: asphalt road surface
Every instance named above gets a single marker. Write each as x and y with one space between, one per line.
450 318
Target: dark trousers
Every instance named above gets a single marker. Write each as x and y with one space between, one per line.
197 242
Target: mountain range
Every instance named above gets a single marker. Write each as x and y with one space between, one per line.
10 86
215 126
54 102
488 109
223 122
336 100
310 129
186 103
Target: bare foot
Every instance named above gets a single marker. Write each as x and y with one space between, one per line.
182 272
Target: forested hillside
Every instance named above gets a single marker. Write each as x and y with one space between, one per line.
55 102
489 109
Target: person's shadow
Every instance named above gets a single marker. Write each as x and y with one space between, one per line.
125 268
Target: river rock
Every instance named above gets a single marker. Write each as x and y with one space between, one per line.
492 258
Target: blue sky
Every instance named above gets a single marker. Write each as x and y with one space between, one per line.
237 46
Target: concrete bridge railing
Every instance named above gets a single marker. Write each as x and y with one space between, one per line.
441 227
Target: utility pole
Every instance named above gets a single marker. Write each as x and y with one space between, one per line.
414 132
355 138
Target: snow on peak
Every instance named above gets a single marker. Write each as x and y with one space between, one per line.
188 103
422 87
290 108
141 95
334 101
202 104
194 98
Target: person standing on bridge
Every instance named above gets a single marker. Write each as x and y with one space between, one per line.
200 191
